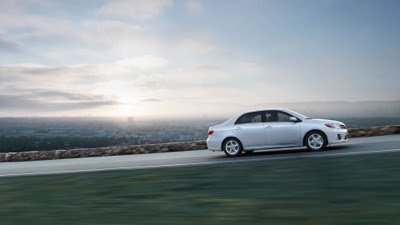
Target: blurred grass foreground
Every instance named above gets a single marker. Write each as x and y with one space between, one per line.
334 190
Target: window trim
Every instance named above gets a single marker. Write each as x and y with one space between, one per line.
256 112
279 111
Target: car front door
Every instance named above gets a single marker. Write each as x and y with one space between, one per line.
280 131
249 128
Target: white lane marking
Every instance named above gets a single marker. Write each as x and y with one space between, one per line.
98 160
203 163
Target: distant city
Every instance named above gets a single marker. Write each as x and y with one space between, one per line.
26 134
38 133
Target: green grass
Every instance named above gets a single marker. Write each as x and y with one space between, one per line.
336 190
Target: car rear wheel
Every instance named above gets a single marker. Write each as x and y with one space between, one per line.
232 147
316 141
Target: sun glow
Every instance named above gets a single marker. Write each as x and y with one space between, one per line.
124 94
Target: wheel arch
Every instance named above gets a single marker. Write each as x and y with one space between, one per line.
230 137
304 137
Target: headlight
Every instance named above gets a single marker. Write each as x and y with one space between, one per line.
332 125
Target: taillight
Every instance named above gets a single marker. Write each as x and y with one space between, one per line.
210 132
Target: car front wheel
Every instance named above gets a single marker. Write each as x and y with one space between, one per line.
232 147
316 141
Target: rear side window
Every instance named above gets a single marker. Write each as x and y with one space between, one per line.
254 117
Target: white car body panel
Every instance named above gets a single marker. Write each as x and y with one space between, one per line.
267 135
251 134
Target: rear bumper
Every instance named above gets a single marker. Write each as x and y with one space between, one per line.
213 145
337 136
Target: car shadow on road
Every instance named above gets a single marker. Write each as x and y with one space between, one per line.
288 151
292 150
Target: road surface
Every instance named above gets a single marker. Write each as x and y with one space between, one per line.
356 146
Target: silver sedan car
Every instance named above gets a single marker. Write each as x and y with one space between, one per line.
273 128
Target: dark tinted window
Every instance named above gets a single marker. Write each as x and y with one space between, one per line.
277 116
255 117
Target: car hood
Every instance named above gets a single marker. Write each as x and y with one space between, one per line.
328 121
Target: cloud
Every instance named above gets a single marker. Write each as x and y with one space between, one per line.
19 5
136 9
89 86
128 82
150 100
190 83
54 95
87 34
9 46
144 62
250 68
40 73
198 47
97 39
194 7
31 102
38 76
110 32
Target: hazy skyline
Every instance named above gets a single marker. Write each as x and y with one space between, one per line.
169 58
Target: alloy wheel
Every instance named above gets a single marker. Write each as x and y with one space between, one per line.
315 141
232 147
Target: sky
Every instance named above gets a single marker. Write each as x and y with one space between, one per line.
165 58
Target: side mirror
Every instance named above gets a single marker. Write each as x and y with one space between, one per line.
293 119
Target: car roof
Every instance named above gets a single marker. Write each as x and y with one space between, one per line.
265 109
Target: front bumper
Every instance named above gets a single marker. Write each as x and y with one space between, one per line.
337 136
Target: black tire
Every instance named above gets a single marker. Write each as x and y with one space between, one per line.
316 141
232 147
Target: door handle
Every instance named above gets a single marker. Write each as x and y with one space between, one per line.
267 127
238 128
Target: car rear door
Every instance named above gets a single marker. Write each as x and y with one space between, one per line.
249 128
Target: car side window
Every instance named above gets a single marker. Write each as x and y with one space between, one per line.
255 117
277 116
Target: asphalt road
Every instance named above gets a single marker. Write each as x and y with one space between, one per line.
356 146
